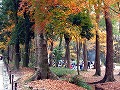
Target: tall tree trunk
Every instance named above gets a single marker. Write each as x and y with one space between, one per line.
67 53
118 3
119 26
97 56
60 44
43 67
85 56
11 54
36 41
109 57
78 55
60 47
17 47
27 39
51 54
42 71
17 55
26 53
8 55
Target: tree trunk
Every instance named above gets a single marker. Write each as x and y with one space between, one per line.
43 67
8 55
118 3
43 71
119 24
109 57
11 54
51 54
27 39
17 47
36 41
85 56
60 44
119 32
60 47
67 53
26 54
97 56
78 56
95 64
17 55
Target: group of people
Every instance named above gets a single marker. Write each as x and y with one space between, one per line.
73 64
81 65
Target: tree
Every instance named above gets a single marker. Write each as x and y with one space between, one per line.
77 38
78 45
97 56
57 55
82 20
42 59
56 26
85 55
109 57
50 37
11 8
5 27
26 29
28 25
41 17
17 47
67 53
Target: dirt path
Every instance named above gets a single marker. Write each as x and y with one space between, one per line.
89 78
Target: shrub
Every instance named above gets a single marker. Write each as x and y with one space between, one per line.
62 71
77 80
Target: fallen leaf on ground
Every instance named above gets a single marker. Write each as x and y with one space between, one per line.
48 84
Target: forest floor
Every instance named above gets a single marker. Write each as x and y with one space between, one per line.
90 78
25 73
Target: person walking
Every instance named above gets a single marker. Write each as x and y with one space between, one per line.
88 64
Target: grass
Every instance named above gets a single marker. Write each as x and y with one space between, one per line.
62 71
77 80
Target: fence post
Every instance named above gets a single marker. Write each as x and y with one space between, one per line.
12 81
10 76
15 85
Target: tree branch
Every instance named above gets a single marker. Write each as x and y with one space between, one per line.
114 10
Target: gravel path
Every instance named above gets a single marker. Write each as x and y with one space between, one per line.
1 76
4 77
